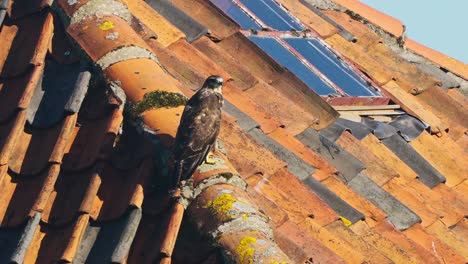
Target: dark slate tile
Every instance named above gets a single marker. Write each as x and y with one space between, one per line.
2 16
334 131
426 173
15 242
61 89
191 28
295 164
409 127
243 120
398 214
346 163
110 241
335 202
380 129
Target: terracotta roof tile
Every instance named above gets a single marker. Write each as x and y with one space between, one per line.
246 155
410 247
386 22
166 32
294 118
431 243
375 168
90 181
442 232
309 18
304 247
240 74
371 254
460 230
449 164
21 48
373 213
443 60
338 245
363 60
205 13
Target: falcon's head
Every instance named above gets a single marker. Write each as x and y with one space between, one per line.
214 82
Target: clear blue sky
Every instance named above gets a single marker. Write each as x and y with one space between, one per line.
441 25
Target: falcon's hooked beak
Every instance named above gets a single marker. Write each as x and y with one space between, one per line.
214 82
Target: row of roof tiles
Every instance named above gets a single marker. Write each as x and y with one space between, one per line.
299 227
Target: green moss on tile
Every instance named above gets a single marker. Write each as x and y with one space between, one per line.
158 99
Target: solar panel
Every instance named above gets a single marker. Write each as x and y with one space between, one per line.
284 57
272 14
237 14
332 67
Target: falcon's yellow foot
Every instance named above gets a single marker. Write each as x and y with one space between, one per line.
210 159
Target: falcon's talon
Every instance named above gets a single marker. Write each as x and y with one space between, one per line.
210 159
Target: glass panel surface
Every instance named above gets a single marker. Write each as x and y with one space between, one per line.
234 12
332 67
284 57
272 14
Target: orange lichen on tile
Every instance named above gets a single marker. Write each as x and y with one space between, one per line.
335 243
303 247
165 31
295 193
24 43
247 156
323 168
375 168
97 40
363 34
455 169
234 95
443 60
371 254
220 26
292 117
198 60
439 230
438 248
240 74
364 61
309 18
382 20
373 214
412 106
427 215
407 245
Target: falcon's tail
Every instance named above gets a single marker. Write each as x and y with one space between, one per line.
177 175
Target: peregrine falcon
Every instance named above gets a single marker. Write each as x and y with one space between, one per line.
199 127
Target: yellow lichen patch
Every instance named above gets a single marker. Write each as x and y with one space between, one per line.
106 25
345 221
222 204
245 251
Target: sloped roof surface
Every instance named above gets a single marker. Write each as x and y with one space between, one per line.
331 178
